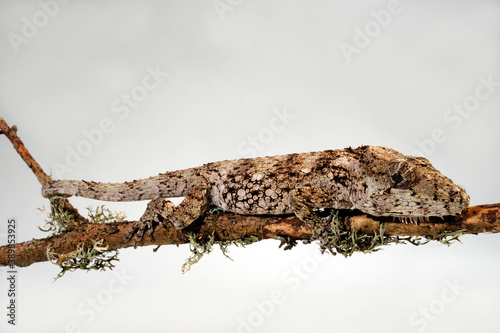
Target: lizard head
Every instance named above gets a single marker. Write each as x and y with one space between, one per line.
392 184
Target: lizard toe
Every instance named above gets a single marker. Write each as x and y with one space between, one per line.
143 227
130 233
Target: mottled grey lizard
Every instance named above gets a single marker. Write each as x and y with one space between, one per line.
376 180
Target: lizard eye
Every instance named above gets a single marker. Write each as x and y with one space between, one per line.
397 178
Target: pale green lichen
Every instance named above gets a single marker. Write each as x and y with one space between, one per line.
346 242
446 237
224 245
201 246
288 242
58 217
102 214
338 240
84 257
95 257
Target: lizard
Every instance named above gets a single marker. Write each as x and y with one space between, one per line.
376 180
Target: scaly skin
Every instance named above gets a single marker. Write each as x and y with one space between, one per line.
376 180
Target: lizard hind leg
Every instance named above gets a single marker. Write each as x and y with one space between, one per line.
157 209
195 204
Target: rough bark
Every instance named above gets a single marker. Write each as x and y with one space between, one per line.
227 226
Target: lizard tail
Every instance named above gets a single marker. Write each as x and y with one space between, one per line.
166 185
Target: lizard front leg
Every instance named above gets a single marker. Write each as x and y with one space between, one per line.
306 201
194 205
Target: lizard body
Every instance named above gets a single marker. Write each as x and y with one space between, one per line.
376 180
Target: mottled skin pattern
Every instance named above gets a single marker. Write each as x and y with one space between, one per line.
376 180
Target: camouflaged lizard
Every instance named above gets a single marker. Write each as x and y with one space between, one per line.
376 180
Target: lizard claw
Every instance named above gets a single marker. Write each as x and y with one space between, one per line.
155 213
140 228
130 233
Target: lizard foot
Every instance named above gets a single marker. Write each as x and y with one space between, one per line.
326 230
153 215
322 232
139 228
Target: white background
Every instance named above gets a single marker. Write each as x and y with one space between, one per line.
232 66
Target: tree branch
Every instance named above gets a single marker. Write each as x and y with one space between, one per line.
224 227
228 226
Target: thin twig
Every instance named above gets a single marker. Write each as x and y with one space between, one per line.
10 133
43 178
